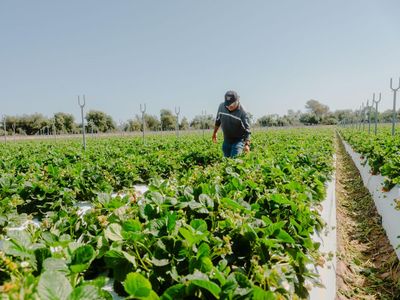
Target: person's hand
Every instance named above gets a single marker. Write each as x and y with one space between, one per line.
246 148
214 138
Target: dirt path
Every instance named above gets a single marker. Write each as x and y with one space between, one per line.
367 266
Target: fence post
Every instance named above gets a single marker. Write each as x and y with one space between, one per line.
376 111
362 116
82 105
394 104
177 112
369 114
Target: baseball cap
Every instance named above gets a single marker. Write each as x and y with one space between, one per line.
230 97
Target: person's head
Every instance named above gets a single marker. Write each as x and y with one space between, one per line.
231 100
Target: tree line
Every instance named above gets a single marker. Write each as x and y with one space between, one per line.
97 121
319 114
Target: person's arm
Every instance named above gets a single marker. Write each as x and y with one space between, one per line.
216 126
246 138
214 136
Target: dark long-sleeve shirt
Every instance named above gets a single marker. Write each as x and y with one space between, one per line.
235 124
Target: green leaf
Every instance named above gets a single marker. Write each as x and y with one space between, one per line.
41 254
204 250
53 286
229 203
18 245
177 291
130 258
132 225
153 296
284 236
206 201
210 286
260 294
171 221
120 262
206 264
156 197
187 235
160 262
55 264
81 258
86 292
199 225
137 286
113 232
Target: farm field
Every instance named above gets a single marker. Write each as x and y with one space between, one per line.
381 150
367 253
74 225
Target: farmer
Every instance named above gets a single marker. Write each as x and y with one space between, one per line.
235 126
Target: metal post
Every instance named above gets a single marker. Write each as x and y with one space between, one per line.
376 111
143 110
394 104
362 115
369 114
177 111
82 105
54 131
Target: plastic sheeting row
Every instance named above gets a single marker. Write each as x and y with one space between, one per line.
384 201
327 239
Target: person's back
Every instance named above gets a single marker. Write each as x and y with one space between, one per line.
234 121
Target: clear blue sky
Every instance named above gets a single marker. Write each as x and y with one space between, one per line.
275 54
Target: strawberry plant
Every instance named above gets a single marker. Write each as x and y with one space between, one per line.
207 228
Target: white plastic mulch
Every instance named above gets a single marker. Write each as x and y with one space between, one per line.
384 201
327 239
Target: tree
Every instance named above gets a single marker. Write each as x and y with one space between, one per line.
343 114
329 119
273 120
111 126
199 122
168 120
387 116
11 124
317 108
251 118
32 124
152 122
184 124
64 123
268 120
309 119
293 117
27 124
133 125
102 121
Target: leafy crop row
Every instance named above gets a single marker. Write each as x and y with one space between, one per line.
215 229
381 151
43 176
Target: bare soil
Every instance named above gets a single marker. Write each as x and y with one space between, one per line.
367 266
